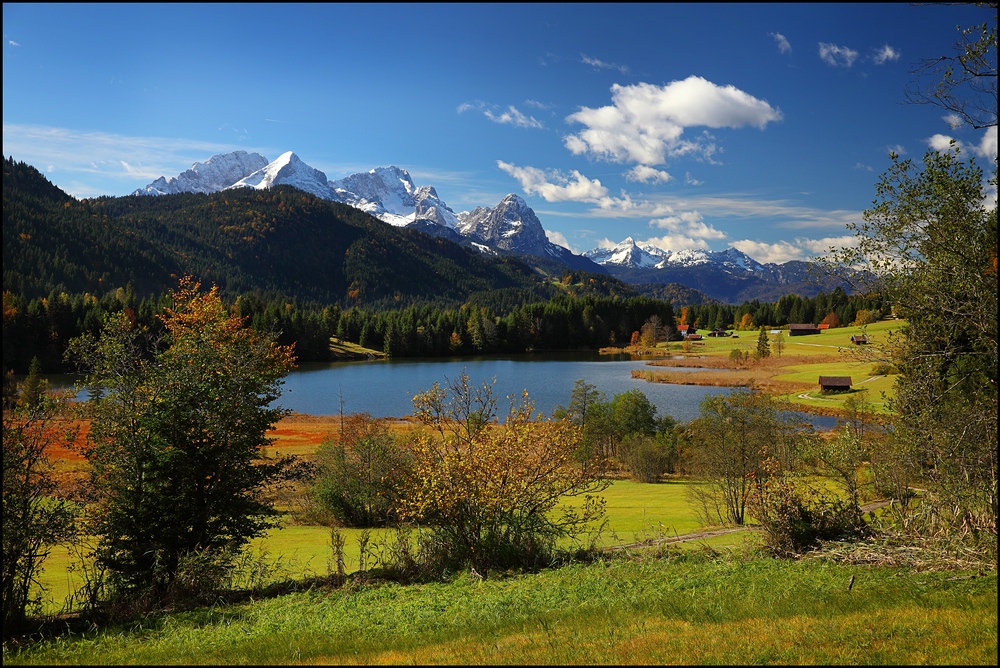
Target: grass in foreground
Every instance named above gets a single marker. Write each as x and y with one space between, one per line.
692 609
635 512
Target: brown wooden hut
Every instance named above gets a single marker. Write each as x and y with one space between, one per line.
834 383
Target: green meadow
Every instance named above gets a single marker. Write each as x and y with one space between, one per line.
698 607
635 512
793 375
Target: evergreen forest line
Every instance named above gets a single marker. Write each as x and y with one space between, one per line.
490 323
310 271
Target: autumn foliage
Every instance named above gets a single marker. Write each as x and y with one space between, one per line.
492 492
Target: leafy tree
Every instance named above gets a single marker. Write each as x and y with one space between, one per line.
866 317
931 243
653 330
361 477
731 438
34 518
647 457
490 492
177 441
779 343
632 413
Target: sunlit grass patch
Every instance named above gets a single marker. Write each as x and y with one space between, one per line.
687 609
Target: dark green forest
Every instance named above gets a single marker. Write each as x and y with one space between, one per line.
310 270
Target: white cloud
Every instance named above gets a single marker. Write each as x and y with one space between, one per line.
553 186
988 145
941 142
799 249
601 65
834 55
514 117
885 54
538 105
986 148
863 167
677 242
13 43
510 116
689 223
645 174
85 159
898 149
954 121
784 46
691 181
645 123
558 238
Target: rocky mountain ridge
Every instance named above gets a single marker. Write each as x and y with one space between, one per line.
510 227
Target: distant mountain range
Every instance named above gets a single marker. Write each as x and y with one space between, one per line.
508 228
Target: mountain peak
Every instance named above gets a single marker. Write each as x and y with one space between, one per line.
289 170
215 174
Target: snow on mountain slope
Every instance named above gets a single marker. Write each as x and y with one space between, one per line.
627 254
215 174
511 225
288 170
388 193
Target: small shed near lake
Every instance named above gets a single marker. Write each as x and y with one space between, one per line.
834 383
800 330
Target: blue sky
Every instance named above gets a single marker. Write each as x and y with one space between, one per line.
759 126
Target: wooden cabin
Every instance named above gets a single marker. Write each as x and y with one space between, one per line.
834 383
859 339
801 330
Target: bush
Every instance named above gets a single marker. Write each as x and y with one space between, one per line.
884 369
360 478
34 519
795 518
490 492
647 458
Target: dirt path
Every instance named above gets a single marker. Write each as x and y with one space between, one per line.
712 533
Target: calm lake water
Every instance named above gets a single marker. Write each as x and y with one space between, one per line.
385 388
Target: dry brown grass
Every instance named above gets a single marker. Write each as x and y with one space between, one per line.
773 364
760 378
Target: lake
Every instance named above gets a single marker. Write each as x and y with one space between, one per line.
385 388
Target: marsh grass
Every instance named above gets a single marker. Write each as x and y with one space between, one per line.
693 609
791 377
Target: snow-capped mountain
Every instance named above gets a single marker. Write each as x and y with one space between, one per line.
215 174
388 193
510 225
287 170
630 255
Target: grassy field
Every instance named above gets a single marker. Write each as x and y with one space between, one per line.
698 608
635 512
792 376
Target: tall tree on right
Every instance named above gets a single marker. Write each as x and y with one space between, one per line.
931 242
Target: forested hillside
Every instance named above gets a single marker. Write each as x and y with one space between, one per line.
280 241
